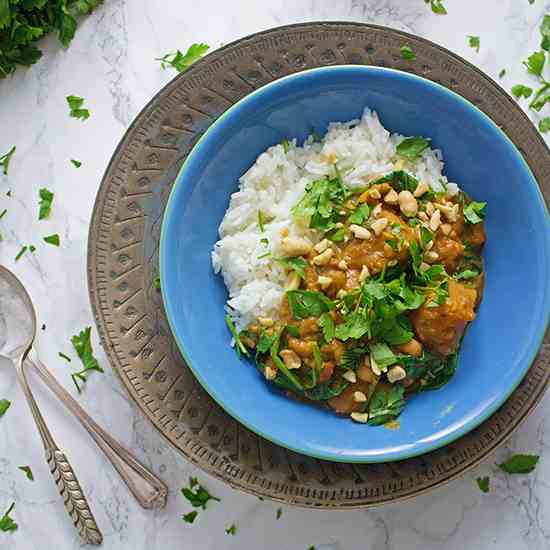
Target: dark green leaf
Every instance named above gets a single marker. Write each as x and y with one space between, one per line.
239 346
293 330
519 464
502 73
326 390
474 42
182 61
399 180
437 6
519 90
386 404
197 495
279 513
52 239
295 264
545 33
356 325
76 163
474 212
411 148
466 274
28 472
266 341
5 159
360 214
544 124
21 252
407 53
382 355
231 530
45 203
3 213
82 344
352 358
483 484
75 107
32 248
6 522
289 379
535 63
4 406
440 371
190 517
156 283
66 27
327 324
541 97
305 303
63 356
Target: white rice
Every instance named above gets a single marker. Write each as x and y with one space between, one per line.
276 182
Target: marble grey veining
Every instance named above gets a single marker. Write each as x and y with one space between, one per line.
112 64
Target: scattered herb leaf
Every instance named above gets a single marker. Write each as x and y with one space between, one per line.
182 61
5 159
502 73
190 517
76 109
239 346
197 495
4 406
6 522
261 221
437 6
156 282
474 42
535 63
327 324
519 464
386 405
76 163
21 252
231 530
28 472
407 53
286 145
63 356
45 203
519 90
307 303
3 213
82 344
279 513
411 148
544 124
545 33
295 264
52 239
474 212
483 484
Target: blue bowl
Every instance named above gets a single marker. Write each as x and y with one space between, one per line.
498 348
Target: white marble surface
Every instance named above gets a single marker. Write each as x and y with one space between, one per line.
111 63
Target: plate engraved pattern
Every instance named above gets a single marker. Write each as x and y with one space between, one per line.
123 259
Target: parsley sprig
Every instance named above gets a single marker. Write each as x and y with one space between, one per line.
182 61
83 346
5 159
198 496
6 522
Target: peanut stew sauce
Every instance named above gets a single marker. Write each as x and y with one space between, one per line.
381 242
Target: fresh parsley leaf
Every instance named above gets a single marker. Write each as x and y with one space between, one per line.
156 283
382 355
411 148
266 341
519 90
399 180
231 530
326 322
28 472
483 484
239 346
5 159
32 248
360 214
6 522
352 358
466 274
182 61
52 239
545 33
407 53
474 212
386 404
197 495
45 203
541 97
284 378
519 464
425 236
4 406
279 513
293 330
356 325
190 517
474 42
76 163
21 252
82 344
337 236
502 73
535 63
437 6
307 303
63 356
311 547
544 124
76 109
295 264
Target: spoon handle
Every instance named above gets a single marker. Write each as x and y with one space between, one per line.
148 489
67 483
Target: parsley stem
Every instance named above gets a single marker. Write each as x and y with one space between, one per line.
539 93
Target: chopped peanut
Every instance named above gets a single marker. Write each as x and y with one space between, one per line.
379 225
324 257
421 188
295 246
360 232
291 359
407 203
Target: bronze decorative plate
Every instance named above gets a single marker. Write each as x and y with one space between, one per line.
123 259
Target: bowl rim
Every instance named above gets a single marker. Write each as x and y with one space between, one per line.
427 447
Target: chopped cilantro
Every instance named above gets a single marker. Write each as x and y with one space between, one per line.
32 248
266 341
382 355
156 283
474 42
293 330
544 124
519 90
76 163
82 344
3 213
466 274
261 221
545 33
411 148
76 107
295 264
45 203
483 484
519 464
5 159
535 63
474 212
327 324
307 303
356 325
52 239
28 472
239 346
63 356
231 530
4 406
190 517
6 522
279 513
182 61
21 252
407 53
386 405
437 6
399 180
197 495
264 241
541 97
502 73
360 214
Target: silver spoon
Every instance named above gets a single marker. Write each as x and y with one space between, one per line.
18 329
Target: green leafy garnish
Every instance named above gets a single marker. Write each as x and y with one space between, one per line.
502 73
382 355
45 203
197 495
535 63
3 213
4 406
307 303
63 356
274 353
466 274
82 344
519 90
544 124
28 472
76 163
265 255
519 464
399 180
360 214
356 325
411 148
261 221
286 145
437 6
407 53
239 346
76 109
6 522
231 530
5 159
293 330
351 358
279 513
474 42
182 61
386 405
266 341
474 212
545 33
295 264
326 322
21 252
483 484
52 239
190 517
156 282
